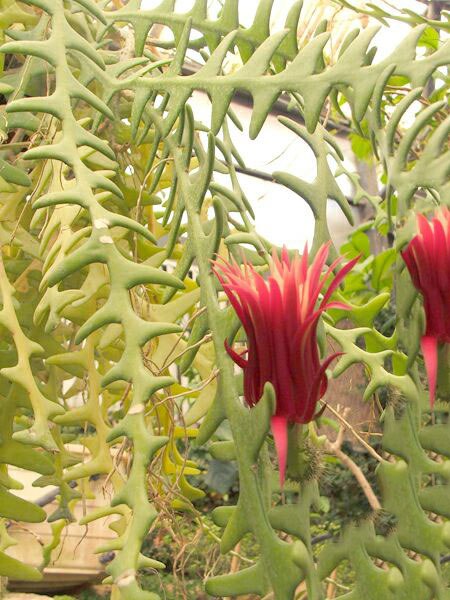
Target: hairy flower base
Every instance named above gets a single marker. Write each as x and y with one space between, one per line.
280 318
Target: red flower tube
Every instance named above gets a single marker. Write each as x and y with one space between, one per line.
280 317
427 257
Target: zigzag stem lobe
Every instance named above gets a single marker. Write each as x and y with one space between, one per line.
254 498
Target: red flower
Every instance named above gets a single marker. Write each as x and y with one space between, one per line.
427 257
280 318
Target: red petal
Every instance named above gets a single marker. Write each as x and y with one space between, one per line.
411 264
340 305
318 389
316 282
338 279
237 358
280 435
285 256
423 224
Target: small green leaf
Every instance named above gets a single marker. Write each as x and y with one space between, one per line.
429 39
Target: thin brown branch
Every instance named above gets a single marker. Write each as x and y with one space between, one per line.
335 448
350 427
206 338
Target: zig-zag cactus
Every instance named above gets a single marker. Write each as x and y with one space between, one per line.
86 300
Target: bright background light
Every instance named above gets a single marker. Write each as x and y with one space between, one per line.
280 215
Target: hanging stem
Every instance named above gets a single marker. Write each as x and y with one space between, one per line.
253 484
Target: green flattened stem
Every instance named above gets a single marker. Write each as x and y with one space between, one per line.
443 379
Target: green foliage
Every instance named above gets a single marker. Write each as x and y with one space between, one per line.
347 500
107 181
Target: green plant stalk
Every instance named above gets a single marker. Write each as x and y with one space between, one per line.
123 275
277 561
